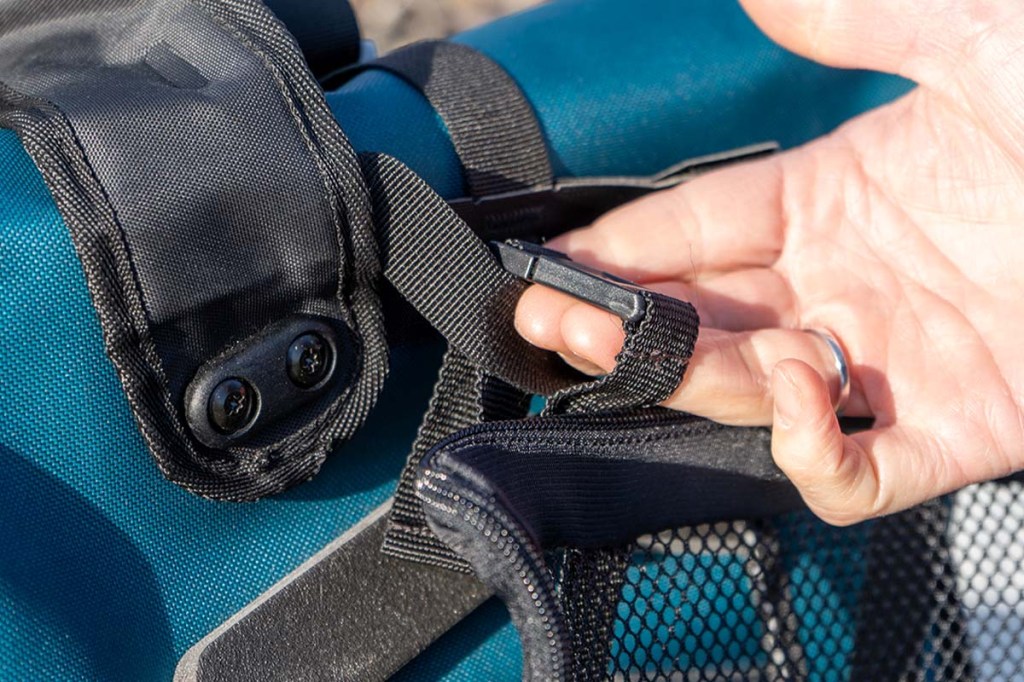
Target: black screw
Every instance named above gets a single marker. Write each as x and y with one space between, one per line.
309 360
232 406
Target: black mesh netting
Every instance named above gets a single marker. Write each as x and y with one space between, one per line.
934 593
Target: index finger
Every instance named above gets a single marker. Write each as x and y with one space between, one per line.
722 221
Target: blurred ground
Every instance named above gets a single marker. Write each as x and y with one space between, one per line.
391 23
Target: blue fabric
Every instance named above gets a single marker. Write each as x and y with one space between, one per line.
107 571
622 88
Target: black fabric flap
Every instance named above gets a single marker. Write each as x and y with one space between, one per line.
601 480
212 200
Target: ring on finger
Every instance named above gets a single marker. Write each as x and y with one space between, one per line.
840 368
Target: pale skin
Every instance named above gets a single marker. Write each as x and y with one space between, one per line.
902 233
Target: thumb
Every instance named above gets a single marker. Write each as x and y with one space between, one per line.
918 39
833 473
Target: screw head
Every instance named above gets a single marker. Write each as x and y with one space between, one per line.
232 406
309 360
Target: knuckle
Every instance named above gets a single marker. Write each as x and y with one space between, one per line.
840 517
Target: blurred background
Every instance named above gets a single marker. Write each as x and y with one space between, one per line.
391 23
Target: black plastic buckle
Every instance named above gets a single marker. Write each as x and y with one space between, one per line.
554 269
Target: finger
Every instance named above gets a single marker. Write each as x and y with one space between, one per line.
728 378
738 301
539 321
919 39
846 479
539 316
722 221
834 477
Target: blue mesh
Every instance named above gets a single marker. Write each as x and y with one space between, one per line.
722 600
109 572
826 569
670 614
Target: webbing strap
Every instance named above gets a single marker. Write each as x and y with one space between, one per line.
491 124
649 367
654 358
464 396
436 263
452 279
499 142
501 148
326 30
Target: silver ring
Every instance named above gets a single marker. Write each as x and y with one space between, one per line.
841 366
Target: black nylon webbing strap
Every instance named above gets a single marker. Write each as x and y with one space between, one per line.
491 124
499 142
464 396
435 261
648 369
429 254
453 280
500 146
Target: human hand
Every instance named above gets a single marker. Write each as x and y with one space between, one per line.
902 233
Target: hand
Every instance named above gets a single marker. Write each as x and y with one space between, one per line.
902 233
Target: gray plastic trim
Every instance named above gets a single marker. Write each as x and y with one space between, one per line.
348 613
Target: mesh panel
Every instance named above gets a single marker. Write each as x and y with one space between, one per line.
934 593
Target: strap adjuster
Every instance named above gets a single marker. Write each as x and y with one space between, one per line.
554 269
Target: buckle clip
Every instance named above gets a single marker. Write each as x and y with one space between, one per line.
539 265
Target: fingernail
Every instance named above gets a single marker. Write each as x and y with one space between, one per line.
788 399
524 329
517 326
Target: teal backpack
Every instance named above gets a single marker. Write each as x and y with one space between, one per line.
234 252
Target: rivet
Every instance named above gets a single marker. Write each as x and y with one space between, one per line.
232 405
309 360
